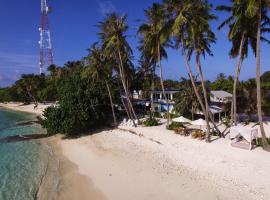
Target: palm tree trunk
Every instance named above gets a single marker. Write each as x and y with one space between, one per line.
237 73
205 97
121 68
32 97
111 101
123 102
265 144
196 90
152 109
192 112
162 85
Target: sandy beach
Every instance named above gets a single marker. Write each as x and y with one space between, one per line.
26 108
153 163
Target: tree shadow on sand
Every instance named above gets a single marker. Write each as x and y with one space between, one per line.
80 134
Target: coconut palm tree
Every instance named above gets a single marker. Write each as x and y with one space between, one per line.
99 69
241 34
147 70
257 9
115 46
153 42
189 25
187 100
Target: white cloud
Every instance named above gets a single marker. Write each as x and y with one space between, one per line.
12 65
15 60
8 79
106 7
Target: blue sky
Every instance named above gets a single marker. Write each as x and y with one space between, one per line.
73 31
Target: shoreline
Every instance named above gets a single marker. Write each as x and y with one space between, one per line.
154 163
26 108
62 180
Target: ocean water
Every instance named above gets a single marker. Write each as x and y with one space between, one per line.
22 163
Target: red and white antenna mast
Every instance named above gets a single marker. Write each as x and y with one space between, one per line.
46 54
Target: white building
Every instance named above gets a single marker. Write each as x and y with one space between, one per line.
159 100
220 96
157 95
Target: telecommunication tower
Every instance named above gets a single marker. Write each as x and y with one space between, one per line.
46 53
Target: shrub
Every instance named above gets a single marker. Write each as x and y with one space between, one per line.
151 122
82 107
165 115
226 121
175 125
259 142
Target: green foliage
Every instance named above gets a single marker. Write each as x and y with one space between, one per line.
175 125
186 100
151 122
82 107
8 94
223 83
157 115
172 115
259 142
226 121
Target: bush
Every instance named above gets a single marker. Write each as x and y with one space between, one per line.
157 115
165 115
259 142
175 125
82 107
226 121
151 122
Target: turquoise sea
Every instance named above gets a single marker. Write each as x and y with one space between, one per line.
22 163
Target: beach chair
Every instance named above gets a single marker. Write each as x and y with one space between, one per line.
242 137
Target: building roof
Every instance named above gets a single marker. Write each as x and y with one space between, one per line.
213 109
166 91
221 94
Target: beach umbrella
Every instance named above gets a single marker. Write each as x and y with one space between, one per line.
199 122
181 119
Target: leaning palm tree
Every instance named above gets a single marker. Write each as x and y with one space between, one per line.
189 25
199 41
115 46
241 34
153 42
258 9
99 69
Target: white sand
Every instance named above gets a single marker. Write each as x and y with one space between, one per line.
26 108
156 164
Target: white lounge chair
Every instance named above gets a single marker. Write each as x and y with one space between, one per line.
249 134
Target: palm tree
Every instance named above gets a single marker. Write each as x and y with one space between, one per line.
99 69
147 70
153 41
52 69
189 26
187 100
258 9
241 34
115 46
249 97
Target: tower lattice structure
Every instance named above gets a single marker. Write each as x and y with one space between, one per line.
46 52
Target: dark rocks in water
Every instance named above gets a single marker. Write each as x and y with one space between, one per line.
19 138
27 123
